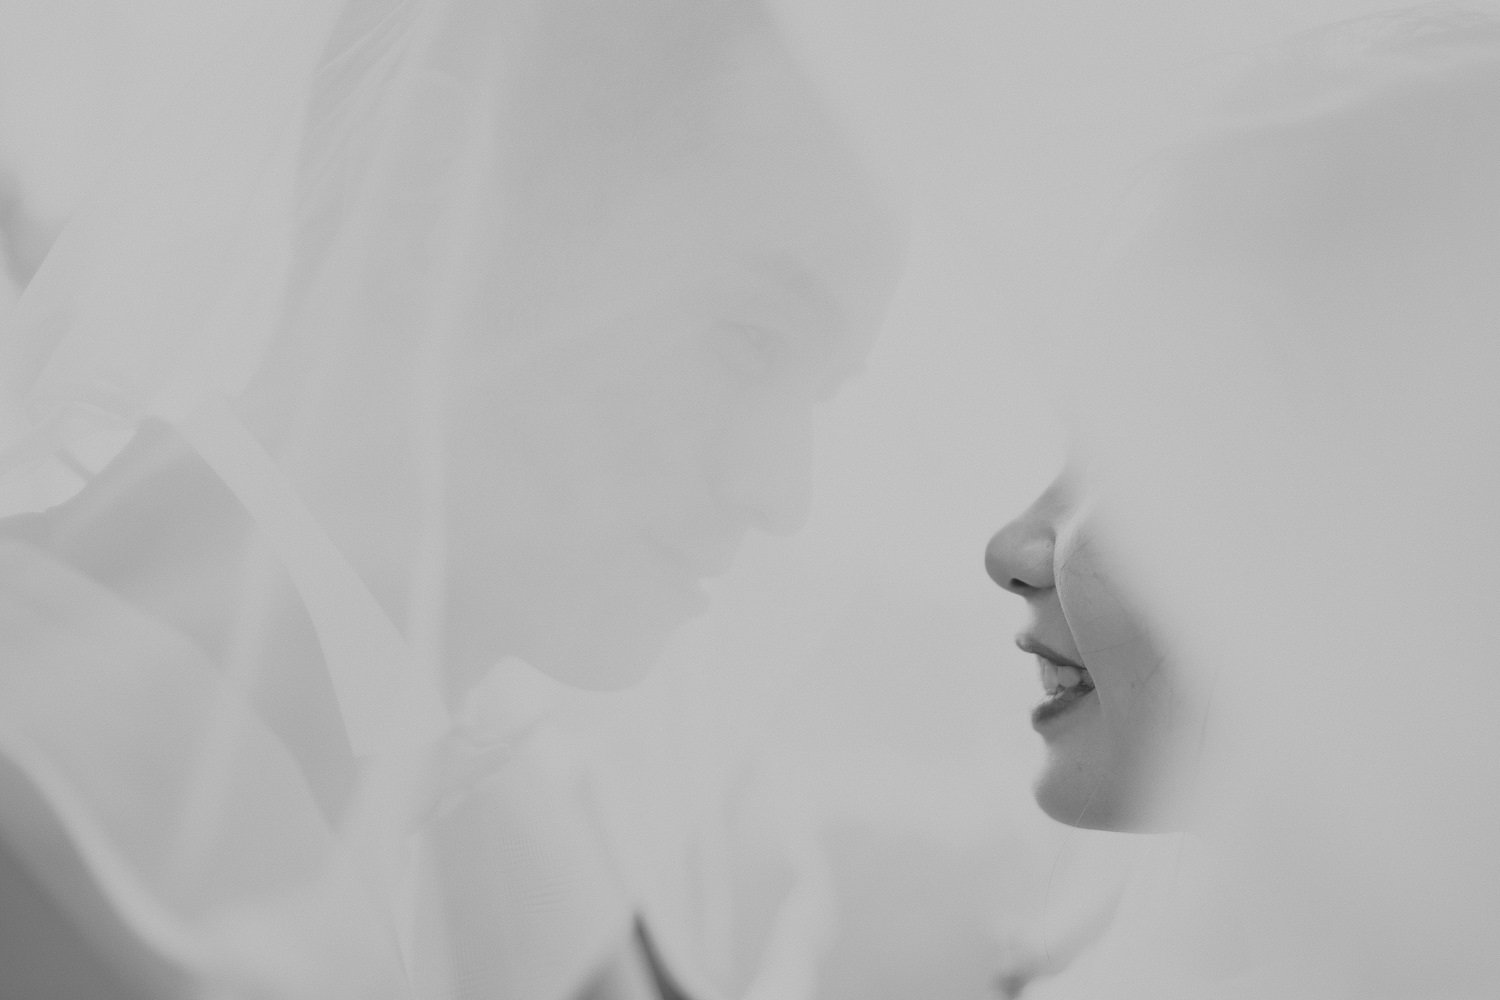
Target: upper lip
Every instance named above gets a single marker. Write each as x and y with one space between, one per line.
1032 644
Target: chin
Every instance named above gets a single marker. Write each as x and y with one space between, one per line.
598 658
1078 796
597 633
1068 810
1076 806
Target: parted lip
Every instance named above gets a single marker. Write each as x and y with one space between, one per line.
1029 643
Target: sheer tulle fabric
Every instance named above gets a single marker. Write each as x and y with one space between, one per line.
277 270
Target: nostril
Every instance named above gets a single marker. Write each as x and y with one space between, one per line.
1019 557
1011 566
998 569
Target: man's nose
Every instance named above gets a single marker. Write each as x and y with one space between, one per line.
1019 556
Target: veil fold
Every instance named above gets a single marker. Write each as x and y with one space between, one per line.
291 246
245 215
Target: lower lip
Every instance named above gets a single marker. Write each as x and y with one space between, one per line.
1059 706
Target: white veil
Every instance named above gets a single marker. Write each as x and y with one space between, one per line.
277 268
1288 397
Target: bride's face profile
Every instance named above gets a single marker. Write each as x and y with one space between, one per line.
1113 711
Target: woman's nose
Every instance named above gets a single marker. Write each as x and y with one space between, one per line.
1019 556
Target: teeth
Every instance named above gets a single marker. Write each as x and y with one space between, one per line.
1069 677
1050 682
1058 677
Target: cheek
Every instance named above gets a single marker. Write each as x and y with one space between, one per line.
628 436
663 410
1135 690
607 435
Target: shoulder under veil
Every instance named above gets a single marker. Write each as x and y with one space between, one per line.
277 266
1288 391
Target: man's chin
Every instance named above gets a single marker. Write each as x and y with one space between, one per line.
599 634
599 662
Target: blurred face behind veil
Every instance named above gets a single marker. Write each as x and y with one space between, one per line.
502 323
616 256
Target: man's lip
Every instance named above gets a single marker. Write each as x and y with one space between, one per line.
1032 645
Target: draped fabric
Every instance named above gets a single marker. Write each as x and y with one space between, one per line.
416 355
88 790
